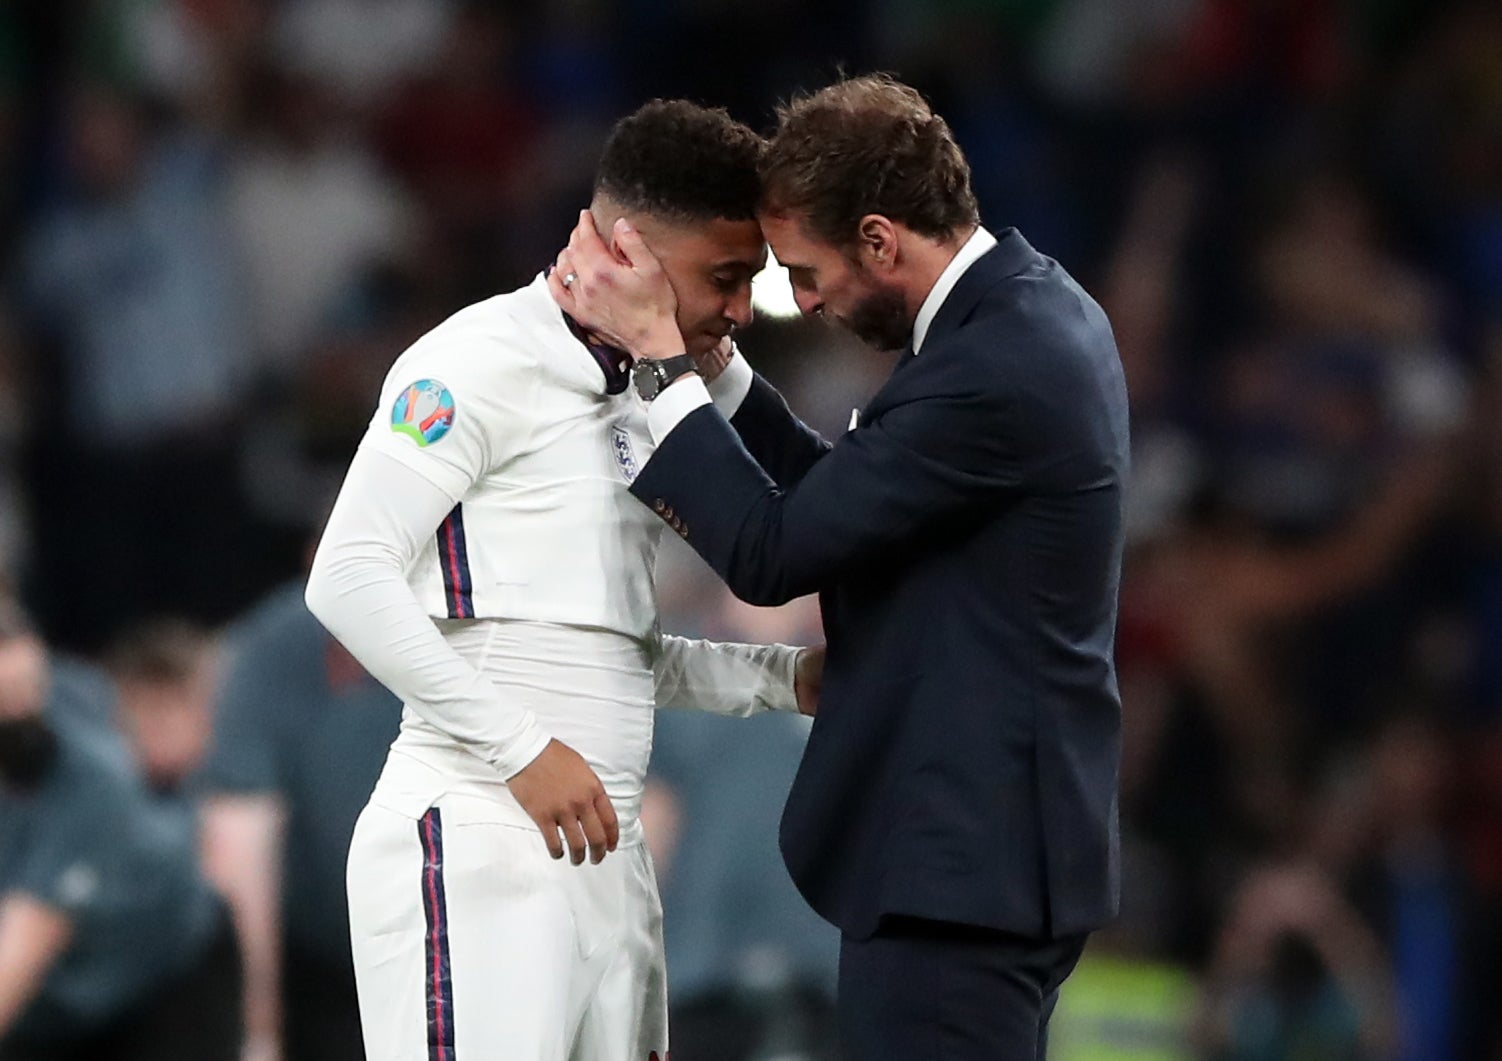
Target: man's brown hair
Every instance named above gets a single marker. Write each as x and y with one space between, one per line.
681 162
867 145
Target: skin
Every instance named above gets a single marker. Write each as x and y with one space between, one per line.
708 265
874 288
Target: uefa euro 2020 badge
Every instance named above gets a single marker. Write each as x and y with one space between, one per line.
423 412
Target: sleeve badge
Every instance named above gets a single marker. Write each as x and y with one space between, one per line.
423 411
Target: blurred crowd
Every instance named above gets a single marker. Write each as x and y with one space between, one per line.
221 220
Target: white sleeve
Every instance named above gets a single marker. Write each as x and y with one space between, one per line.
729 389
725 679
385 512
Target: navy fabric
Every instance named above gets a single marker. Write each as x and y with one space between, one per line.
966 542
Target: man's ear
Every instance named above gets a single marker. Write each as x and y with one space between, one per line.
876 242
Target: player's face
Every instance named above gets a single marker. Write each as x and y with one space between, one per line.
710 266
827 283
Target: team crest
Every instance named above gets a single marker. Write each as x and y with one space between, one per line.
423 412
625 456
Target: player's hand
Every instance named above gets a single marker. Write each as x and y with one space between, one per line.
562 795
624 297
808 679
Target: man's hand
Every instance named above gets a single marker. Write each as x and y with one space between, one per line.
623 297
808 679
561 793
710 365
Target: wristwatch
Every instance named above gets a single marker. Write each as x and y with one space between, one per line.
652 376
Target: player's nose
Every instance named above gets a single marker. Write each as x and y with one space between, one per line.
739 310
809 302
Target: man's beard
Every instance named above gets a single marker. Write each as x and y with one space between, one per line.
28 750
881 319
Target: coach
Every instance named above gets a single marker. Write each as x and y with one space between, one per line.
955 811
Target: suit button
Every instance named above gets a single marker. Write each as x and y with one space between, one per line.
659 506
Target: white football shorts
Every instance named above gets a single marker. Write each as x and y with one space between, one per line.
472 944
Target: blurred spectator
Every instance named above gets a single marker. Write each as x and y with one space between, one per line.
164 681
464 142
1390 832
313 217
112 947
129 278
300 734
360 48
1296 974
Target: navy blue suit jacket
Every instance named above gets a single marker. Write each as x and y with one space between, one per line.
965 539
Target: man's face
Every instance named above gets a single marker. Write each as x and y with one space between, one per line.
827 283
710 265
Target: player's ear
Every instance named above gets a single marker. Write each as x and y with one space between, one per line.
877 242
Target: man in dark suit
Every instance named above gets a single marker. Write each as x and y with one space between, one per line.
955 811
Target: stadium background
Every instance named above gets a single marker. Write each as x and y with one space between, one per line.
222 219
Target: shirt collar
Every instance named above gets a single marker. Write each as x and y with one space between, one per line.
614 363
979 243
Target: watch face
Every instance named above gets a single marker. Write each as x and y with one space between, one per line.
644 375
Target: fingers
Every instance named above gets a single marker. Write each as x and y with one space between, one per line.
585 244
594 832
578 844
632 250
550 837
606 811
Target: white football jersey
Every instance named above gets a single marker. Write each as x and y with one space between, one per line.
535 436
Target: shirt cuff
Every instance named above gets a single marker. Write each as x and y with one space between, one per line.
669 408
731 386
519 752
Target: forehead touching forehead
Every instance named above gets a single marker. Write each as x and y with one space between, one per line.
794 241
718 245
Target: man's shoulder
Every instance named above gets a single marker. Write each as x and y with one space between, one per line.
495 342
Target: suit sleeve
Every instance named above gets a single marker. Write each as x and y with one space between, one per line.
776 439
881 488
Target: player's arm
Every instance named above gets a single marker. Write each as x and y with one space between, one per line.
357 588
33 936
736 679
241 839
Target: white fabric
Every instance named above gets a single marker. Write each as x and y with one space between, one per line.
682 397
979 243
547 961
540 458
566 653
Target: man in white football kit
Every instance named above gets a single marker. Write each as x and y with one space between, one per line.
487 563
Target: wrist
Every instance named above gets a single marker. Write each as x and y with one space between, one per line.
660 345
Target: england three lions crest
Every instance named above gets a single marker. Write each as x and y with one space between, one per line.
625 455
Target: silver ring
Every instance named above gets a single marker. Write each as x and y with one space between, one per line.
569 278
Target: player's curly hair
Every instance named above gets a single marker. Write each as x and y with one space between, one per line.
681 161
867 145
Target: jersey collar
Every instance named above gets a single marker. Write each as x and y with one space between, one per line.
614 363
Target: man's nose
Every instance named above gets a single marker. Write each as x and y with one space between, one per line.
739 310
809 302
